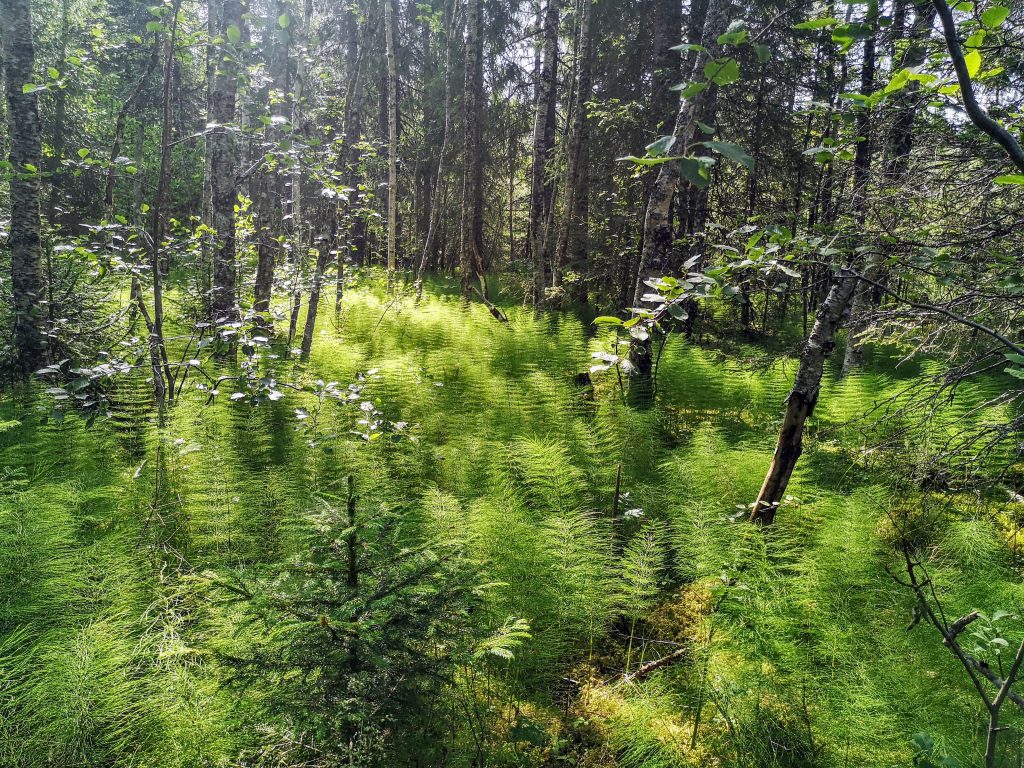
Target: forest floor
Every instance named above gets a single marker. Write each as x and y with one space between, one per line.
794 648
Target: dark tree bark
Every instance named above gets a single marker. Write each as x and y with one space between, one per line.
163 379
392 245
853 356
55 161
901 138
270 206
224 167
437 198
543 142
26 163
348 158
571 225
471 252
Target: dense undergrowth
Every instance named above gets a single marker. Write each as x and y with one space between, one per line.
116 539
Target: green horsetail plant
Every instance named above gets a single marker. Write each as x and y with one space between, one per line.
643 573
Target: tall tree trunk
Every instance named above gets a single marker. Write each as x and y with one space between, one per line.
55 161
803 397
224 167
901 137
25 158
543 141
657 230
574 172
270 207
657 234
312 308
437 199
348 158
471 252
390 34
298 223
163 380
854 353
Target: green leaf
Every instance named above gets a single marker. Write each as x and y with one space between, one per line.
607 320
284 21
234 33
84 152
735 34
995 16
661 146
53 72
688 90
898 81
688 47
1015 372
733 151
828 21
722 71
764 53
154 26
1010 178
696 171
1013 357
973 61
646 161
963 7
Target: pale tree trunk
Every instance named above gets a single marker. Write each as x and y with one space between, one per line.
803 397
853 356
471 252
25 158
224 168
575 173
657 234
543 141
437 199
390 34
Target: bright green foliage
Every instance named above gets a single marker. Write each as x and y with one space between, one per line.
115 647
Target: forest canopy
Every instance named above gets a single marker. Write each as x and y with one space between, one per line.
606 383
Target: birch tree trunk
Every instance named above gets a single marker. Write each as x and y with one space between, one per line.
224 167
26 162
657 234
803 397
